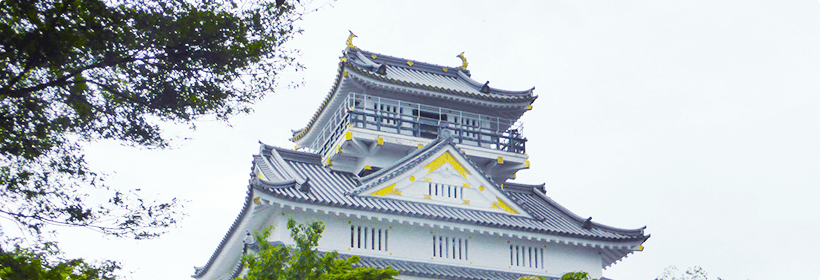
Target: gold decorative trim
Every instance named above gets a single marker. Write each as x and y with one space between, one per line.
257 200
391 189
499 204
446 157
380 141
410 63
349 42
463 61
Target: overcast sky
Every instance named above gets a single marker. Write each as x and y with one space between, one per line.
699 119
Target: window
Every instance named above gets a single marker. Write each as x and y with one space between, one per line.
526 256
444 190
449 247
390 113
370 238
468 126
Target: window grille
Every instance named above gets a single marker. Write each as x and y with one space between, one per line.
449 247
444 190
526 256
370 238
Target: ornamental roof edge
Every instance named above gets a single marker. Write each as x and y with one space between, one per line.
242 213
374 209
417 157
576 217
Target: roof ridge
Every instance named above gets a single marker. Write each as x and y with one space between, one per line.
432 65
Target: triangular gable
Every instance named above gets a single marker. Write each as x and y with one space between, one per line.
441 175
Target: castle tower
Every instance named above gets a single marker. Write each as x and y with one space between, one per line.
407 164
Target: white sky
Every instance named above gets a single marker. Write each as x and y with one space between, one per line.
699 119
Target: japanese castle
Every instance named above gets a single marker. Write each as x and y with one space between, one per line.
407 165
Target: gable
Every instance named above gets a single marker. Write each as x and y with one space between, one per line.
446 177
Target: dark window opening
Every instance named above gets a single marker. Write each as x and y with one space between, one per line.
366 172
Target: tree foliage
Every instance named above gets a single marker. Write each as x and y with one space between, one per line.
75 71
45 262
693 273
303 261
579 275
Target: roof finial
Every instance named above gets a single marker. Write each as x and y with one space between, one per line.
463 60
350 40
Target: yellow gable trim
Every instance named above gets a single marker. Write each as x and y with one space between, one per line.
500 204
446 157
391 189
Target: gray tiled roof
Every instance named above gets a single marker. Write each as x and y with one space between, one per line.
438 271
295 170
429 76
333 188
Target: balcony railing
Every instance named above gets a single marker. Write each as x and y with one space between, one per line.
419 120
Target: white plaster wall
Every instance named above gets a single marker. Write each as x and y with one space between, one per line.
414 242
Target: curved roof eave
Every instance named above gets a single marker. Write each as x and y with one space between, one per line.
432 217
524 96
244 212
565 211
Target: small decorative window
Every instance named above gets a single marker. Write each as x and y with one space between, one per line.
370 238
449 247
526 256
444 190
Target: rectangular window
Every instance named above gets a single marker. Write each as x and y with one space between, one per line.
371 238
444 190
449 247
526 256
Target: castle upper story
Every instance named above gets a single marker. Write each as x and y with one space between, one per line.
381 108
